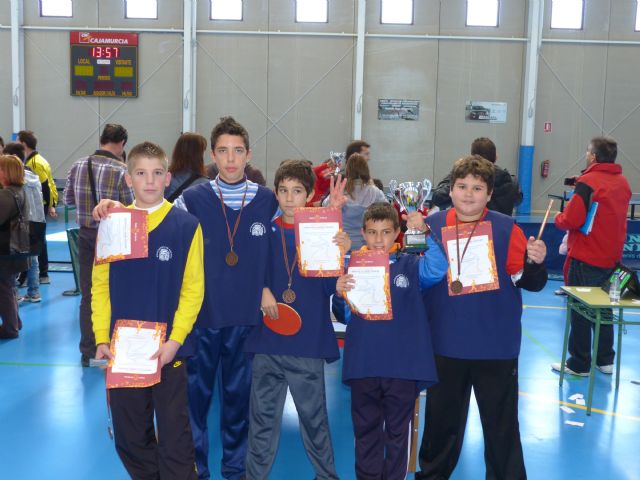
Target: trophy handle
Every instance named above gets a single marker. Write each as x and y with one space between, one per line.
426 191
393 189
338 159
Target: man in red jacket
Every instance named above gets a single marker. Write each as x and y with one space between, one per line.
592 257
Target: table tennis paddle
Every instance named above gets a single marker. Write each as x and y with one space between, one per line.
288 322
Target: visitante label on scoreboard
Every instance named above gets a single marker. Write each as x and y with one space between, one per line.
104 64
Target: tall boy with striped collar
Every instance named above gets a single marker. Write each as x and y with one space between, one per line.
235 215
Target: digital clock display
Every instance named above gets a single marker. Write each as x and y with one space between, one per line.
104 64
105 52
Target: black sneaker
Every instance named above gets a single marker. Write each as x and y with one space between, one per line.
22 280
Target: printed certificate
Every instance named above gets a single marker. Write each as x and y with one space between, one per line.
124 234
477 271
133 343
371 296
315 228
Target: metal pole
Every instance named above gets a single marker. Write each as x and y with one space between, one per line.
187 66
525 162
194 62
359 79
17 68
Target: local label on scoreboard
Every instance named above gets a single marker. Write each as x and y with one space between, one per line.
104 64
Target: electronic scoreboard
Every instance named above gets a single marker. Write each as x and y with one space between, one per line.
104 64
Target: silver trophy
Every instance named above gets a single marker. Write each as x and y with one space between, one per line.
338 159
411 197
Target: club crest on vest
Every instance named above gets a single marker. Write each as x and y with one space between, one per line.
401 281
257 229
164 254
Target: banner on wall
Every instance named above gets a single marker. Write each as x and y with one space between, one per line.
488 112
398 109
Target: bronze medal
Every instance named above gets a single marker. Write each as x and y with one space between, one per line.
231 259
289 296
456 285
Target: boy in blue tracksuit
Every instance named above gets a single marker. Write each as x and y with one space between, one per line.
235 215
388 362
294 360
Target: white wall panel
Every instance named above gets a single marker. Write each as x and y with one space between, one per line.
232 72
477 71
401 69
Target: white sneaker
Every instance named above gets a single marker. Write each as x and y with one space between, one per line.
35 298
606 369
556 367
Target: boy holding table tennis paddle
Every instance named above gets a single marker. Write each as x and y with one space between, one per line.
295 339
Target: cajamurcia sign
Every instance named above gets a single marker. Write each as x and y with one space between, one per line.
104 64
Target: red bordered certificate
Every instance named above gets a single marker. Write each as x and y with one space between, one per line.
124 234
133 343
318 256
478 271
371 296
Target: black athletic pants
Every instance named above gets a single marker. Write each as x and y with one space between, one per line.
171 455
495 385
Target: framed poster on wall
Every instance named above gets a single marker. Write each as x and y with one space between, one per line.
489 112
398 109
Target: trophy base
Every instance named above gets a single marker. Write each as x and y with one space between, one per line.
415 242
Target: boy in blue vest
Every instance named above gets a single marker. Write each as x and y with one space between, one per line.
388 362
235 215
167 286
476 330
294 361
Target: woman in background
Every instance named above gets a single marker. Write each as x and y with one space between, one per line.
360 192
12 197
187 164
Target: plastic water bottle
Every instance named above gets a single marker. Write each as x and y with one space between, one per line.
614 290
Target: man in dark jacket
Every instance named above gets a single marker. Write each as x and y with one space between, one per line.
592 257
506 192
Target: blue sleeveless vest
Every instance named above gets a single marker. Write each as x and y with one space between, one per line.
232 294
316 338
149 288
483 325
397 348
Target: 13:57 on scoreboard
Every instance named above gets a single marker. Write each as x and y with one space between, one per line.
104 64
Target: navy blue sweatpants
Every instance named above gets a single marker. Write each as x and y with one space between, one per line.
381 411
220 354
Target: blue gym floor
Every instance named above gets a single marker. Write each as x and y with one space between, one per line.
54 417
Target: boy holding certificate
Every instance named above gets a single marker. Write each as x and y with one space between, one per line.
167 286
475 323
235 214
296 338
388 362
